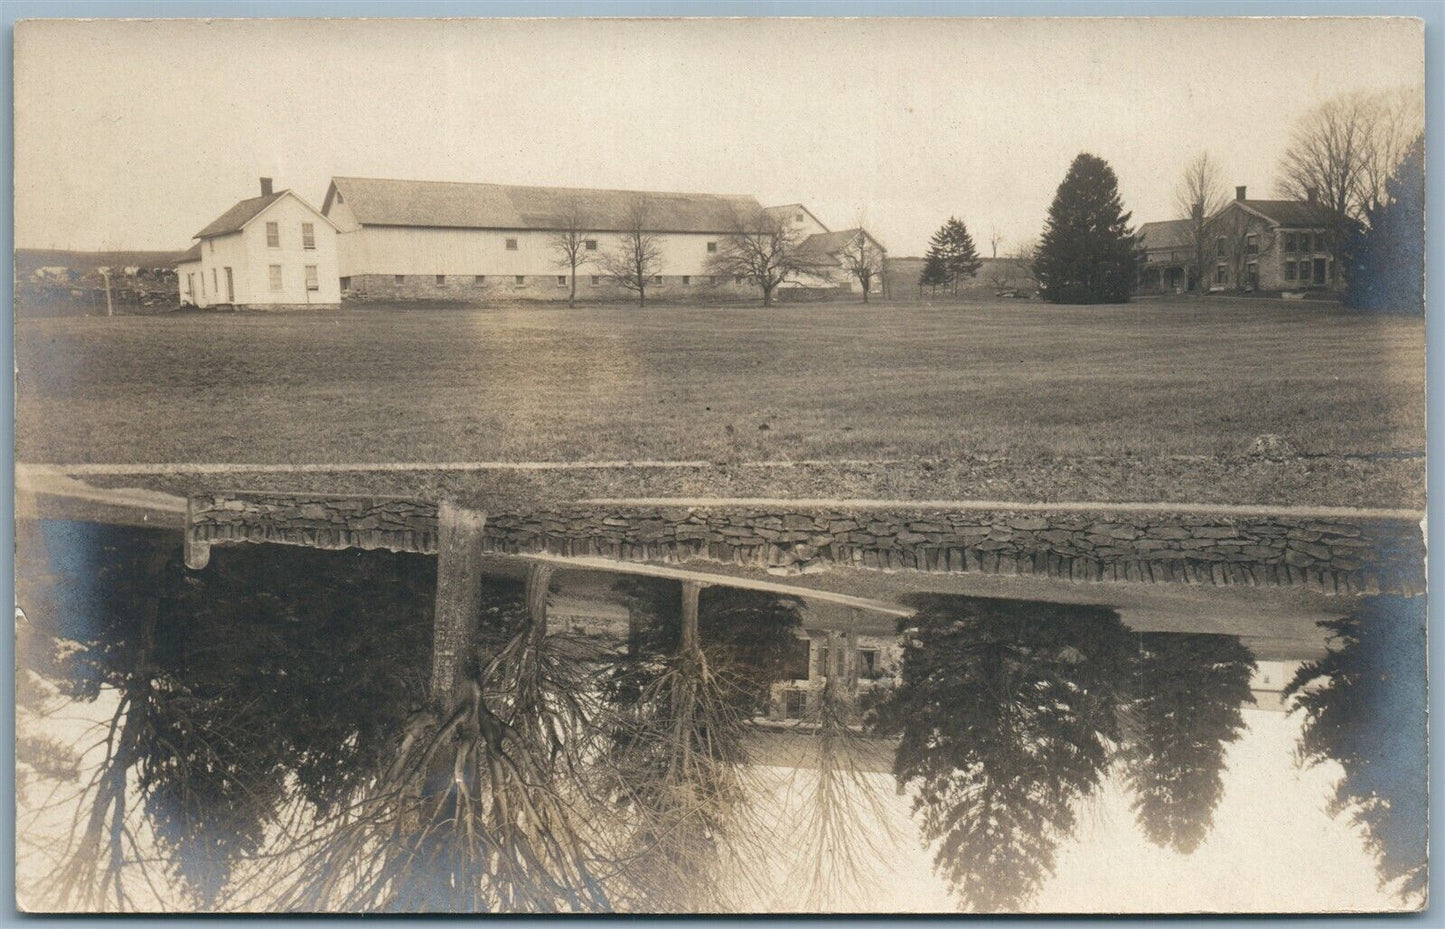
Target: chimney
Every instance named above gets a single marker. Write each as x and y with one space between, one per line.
1239 192
1197 212
265 187
1311 193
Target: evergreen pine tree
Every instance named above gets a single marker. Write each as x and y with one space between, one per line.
935 272
1088 253
1386 261
954 249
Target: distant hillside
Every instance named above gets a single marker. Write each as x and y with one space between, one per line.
994 275
28 259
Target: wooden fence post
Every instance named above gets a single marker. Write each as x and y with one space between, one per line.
458 596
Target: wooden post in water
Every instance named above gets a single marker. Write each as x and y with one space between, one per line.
459 594
539 577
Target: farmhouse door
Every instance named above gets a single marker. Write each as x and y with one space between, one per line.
230 287
1319 272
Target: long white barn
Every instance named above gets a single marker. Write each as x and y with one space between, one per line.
446 240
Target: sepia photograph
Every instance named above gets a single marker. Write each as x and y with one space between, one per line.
720 465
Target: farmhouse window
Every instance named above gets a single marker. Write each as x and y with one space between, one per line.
401 278
479 279
1251 272
868 664
441 279
712 246
798 218
712 278
308 236
561 280
521 280
1305 243
1251 244
686 280
275 277
1289 267
596 280
1219 247
795 704
215 282
1291 242
1221 275
273 235
591 245
312 283
511 245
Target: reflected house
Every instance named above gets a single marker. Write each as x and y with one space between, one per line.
1269 682
870 662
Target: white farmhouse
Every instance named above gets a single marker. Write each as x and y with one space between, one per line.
272 252
402 239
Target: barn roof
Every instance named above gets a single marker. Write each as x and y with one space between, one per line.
1289 212
831 243
452 204
236 218
1170 233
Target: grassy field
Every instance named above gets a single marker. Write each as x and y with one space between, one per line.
1155 398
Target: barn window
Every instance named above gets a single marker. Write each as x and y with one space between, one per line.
596 280
561 280
591 245
312 283
798 218
657 279
441 279
521 280
401 278
737 279
308 236
511 245
346 283
686 280
275 277
273 235
712 279
712 246
479 279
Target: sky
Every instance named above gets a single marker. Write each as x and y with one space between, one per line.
135 134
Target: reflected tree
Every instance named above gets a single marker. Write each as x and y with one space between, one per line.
1364 706
1183 711
1006 710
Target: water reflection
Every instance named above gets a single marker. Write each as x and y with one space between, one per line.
270 740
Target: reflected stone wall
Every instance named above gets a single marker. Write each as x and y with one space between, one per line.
1332 556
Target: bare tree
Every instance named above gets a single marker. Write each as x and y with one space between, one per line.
1198 198
638 256
995 239
569 243
764 249
863 260
1341 152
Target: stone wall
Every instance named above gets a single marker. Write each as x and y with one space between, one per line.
503 288
1328 555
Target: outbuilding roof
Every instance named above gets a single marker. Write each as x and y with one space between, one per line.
460 205
236 218
831 243
1170 233
191 254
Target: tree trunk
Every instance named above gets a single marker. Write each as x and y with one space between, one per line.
572 295
767 295
641 297
458 595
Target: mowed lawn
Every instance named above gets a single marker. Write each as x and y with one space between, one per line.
1010 378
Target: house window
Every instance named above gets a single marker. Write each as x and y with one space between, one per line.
479 279
1326 241
687 280
1251 273
401 278
868 664
346 283
275 277
1219 247
561 280
210 247
1291 242
1221 275
273 235
521 280
308 236
441 279
1289 270
215 282
795 704
511 245
798 217
1251 244
1304 243
712 246
312 282
596 280
591 245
